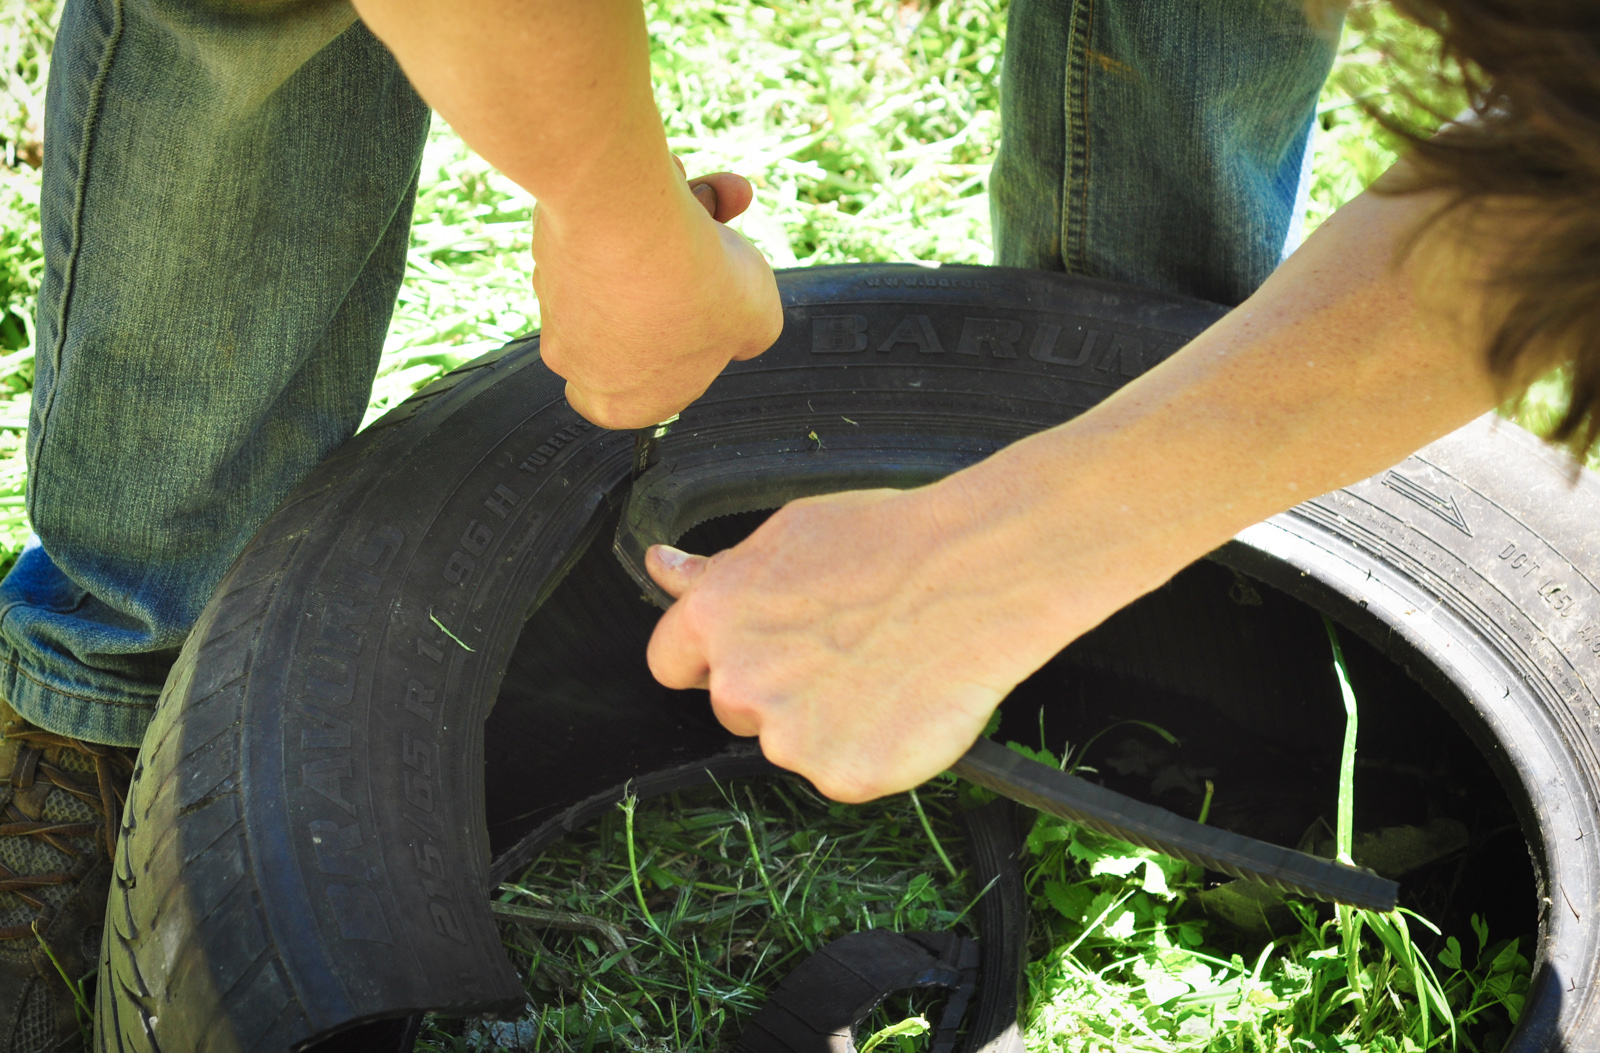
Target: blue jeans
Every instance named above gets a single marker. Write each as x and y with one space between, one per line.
226 208
1163 143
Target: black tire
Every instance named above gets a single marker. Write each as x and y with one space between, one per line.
313 827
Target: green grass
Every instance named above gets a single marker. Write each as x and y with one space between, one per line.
664 925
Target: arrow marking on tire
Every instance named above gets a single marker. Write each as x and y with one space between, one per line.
1443 506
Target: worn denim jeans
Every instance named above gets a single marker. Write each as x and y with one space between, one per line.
227 200
226 207
1159 142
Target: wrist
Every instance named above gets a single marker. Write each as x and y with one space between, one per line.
634 206
1070 528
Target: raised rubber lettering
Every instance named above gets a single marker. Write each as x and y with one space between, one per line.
329 690
1043 348
378 548
416 754
338 625
501 501
475 539
330 732
324 777
998 336
336 847
363 581
925 282
1126 353
916 330
834 334
458 568
446 922
428 858
419 791
420 701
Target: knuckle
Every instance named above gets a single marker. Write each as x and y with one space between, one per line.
846 790
608 412
734 711
783 751
554 355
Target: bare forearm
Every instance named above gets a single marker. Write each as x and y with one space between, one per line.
1340 365
644 294
554 94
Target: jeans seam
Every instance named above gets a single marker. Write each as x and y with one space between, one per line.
68 694
1074 220
70 268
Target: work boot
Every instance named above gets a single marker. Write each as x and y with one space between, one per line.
60 802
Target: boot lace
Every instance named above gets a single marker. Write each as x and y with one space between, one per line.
113 769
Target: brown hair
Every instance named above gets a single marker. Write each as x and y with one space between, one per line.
1531 69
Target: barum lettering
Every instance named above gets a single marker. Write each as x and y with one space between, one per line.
323 776
833 334
1043 348
1126 352
930 282
332 732
998 335
917 330
336 627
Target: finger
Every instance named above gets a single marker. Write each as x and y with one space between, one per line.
673 569
676 655
740 720
679 162
706 194
733 193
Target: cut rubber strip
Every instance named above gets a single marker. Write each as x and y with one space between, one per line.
1040 786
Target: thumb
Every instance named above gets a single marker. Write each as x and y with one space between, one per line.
724 195
673 569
